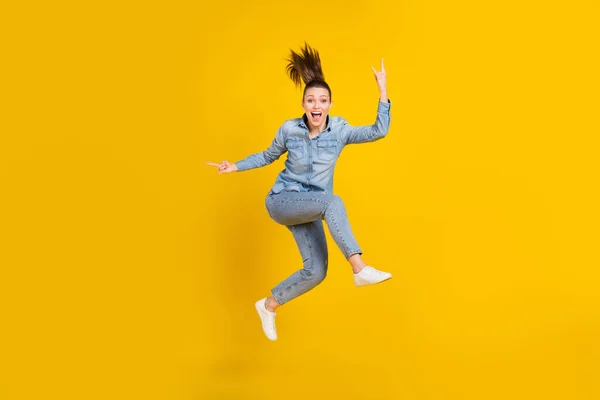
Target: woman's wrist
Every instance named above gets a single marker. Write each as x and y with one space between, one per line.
383 95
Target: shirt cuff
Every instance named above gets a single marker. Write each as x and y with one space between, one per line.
243 165
384 108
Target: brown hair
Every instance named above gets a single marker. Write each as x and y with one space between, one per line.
306 67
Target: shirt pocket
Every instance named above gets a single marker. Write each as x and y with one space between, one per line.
327 149
295 149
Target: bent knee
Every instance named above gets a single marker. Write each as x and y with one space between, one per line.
320 275
315 274
335 202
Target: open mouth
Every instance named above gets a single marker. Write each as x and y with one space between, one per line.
316 116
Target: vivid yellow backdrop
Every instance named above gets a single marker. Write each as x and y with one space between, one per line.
129 268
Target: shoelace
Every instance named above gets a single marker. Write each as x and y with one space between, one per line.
374 272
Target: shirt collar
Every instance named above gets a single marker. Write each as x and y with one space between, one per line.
304 123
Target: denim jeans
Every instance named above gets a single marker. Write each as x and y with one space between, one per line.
302 213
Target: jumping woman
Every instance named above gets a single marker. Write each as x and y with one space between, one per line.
302 196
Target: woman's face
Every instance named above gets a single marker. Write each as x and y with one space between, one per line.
316 103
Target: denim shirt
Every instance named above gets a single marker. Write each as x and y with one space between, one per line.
310 162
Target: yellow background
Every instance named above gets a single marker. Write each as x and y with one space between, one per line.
129 268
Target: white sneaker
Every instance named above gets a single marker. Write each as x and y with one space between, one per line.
369 276
267 318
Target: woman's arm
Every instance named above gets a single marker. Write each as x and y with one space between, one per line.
370 133
257 160
364 134
260 159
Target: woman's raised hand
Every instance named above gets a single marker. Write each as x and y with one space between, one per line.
224 167
381 79
380 76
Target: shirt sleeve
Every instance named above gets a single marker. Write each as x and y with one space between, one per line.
363 134
260 159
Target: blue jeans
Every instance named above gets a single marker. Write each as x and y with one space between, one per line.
302 213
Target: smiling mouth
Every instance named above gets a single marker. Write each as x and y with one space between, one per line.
316 115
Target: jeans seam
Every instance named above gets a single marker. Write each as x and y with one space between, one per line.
328 206
347 251
311 256
337 229
300 198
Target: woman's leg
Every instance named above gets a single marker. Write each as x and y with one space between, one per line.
292 208
302 213
312 244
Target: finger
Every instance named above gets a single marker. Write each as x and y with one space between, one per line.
382 67
374 71
210 163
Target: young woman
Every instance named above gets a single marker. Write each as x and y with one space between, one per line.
302 195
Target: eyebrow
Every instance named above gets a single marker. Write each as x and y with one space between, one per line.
323 95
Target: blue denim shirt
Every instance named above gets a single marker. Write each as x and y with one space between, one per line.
310 162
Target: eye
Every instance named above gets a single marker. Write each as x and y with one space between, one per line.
310 101
323 101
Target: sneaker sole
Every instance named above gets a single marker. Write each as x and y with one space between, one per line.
374 283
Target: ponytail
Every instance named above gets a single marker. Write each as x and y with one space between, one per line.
306 67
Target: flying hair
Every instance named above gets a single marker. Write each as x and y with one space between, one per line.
305 66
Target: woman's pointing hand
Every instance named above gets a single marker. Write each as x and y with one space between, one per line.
224 167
